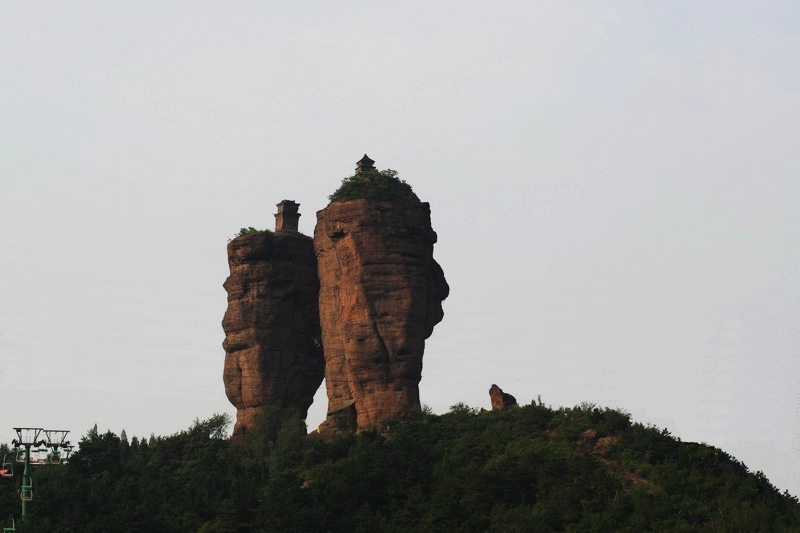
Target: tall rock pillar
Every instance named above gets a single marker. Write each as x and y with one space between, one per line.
273 348
380 297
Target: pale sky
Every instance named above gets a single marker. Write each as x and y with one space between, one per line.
614 185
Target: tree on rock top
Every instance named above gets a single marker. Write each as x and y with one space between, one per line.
383 185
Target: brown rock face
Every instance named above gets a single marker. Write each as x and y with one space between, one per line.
500 399
380 297
273 353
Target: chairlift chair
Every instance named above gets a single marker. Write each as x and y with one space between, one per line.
26 493
54 458
67 451
39 456
12 528
8 468
20 455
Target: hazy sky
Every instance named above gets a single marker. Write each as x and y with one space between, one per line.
615 186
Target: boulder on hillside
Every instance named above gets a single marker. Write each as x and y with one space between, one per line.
500 399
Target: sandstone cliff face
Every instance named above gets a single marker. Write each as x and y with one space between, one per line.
273 353
380 297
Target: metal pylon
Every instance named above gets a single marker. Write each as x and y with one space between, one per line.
28 437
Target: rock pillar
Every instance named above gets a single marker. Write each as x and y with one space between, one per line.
380 297
273 348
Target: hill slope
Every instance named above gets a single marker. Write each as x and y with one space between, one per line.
529 468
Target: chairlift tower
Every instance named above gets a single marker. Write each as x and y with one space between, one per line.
54 439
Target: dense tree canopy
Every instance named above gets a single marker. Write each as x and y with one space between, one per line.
529 468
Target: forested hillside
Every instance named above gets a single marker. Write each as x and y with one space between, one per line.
530 468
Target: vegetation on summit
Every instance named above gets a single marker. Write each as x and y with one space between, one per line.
381 185
251 229
528 468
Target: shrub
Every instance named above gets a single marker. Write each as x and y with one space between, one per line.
249 230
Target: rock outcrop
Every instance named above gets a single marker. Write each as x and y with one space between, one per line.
500 399
366 288
273 349
380 297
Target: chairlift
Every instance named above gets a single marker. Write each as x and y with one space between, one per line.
39 456
26 494
67 451
8 468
